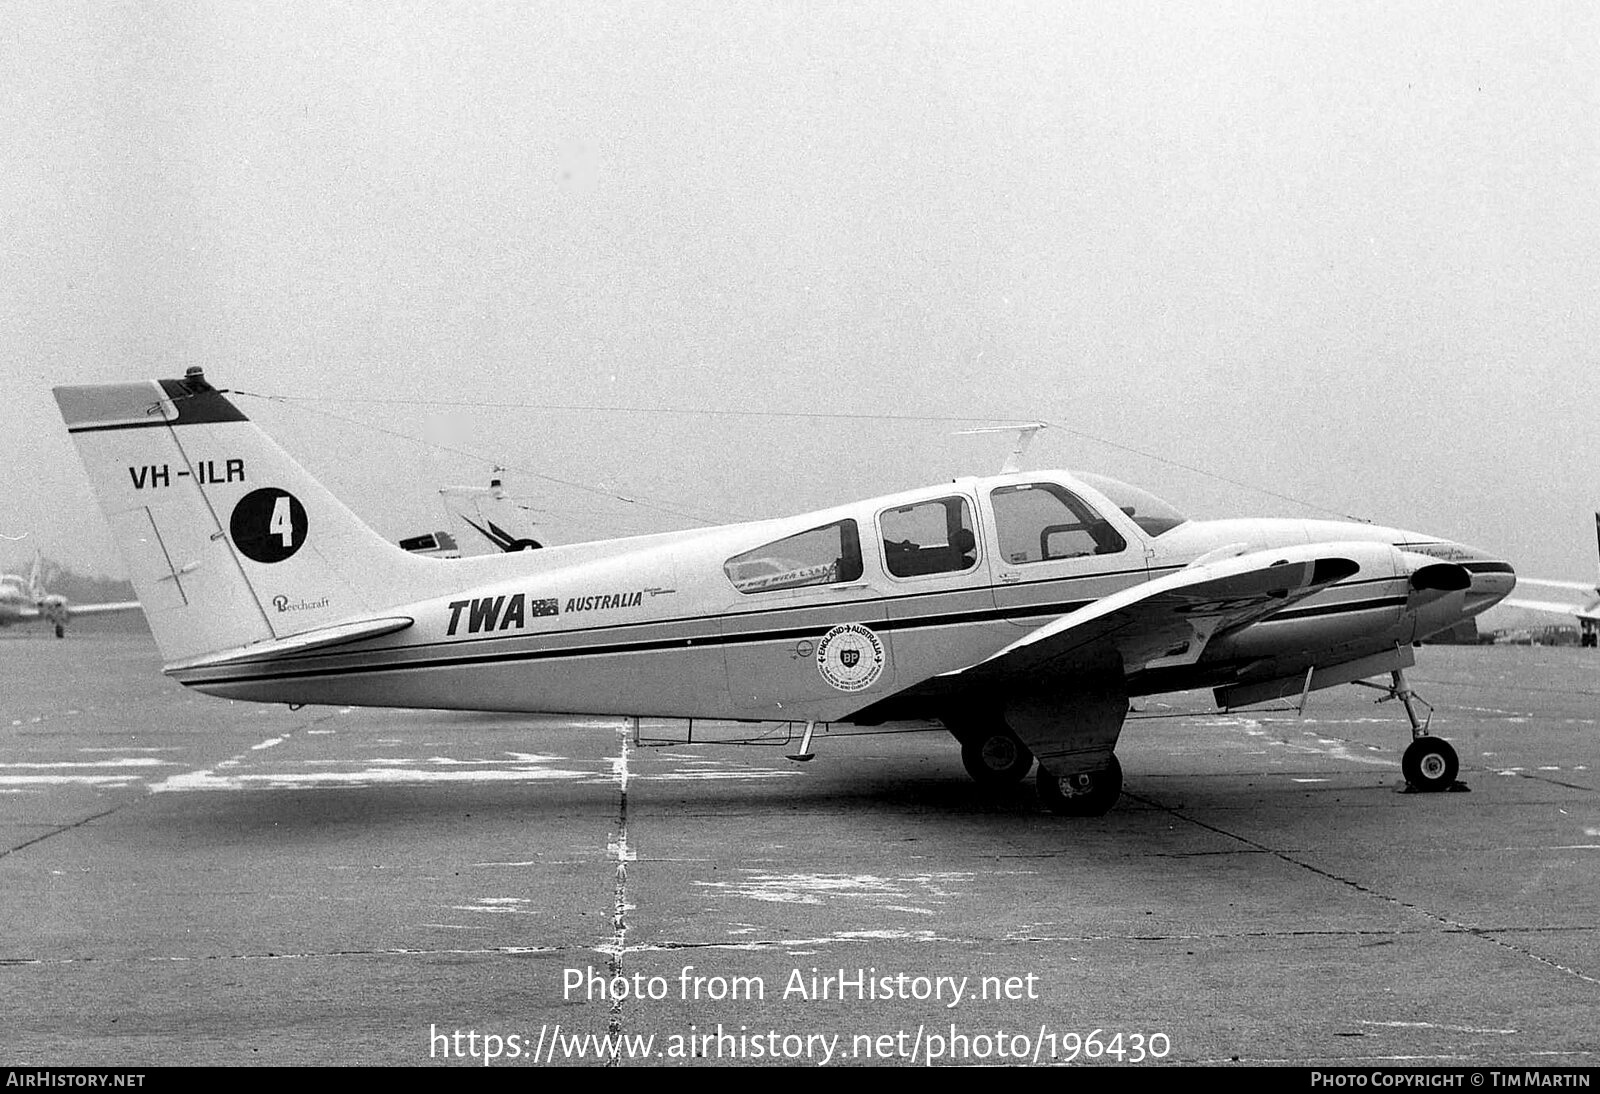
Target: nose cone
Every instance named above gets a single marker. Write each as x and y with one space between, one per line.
1492 582
1490 579
1453 583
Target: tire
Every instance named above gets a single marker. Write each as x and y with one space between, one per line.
996 758
1087 794
1430 764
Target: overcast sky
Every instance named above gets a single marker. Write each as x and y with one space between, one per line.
1346 253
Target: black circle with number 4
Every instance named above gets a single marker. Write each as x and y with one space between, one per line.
268 525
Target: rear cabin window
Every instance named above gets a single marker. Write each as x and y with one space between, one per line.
930 537
1040 521
822 556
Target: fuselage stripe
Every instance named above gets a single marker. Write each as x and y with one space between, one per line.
717 639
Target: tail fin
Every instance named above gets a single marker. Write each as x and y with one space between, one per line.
36 577
489 520
228 540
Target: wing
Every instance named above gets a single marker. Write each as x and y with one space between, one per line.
1588 610
103 609
1170 621
1065 682
1578 585
1559 607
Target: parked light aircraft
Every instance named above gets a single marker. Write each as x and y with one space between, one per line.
487 519
25 599
1022 610
1587 615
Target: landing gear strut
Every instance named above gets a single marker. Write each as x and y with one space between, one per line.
1429 764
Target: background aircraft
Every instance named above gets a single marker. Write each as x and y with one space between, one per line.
487 520
1022 610
25 599
1587 615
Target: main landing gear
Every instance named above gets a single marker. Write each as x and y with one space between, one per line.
1429 764
1086 794
996 756
993 755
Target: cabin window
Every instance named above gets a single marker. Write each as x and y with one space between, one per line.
1040 521
822 556
930 537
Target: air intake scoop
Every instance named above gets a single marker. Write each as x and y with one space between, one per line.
1444 577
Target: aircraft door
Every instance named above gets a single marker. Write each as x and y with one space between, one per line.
940 609
1054 552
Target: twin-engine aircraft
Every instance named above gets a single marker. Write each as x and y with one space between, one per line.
1022 610
24 600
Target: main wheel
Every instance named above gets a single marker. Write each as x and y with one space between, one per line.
1086 794
996 757
61 632
1430 764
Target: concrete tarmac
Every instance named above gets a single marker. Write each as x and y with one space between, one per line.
185 880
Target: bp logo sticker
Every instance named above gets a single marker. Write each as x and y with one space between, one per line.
268 525
850 657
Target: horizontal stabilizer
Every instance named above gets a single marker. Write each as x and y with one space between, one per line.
298 643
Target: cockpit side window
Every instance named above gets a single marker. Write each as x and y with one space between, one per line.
822 556
1040 521
1153 516
930 537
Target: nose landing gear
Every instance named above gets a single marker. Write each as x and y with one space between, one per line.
1430 763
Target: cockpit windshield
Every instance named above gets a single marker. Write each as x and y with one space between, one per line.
1149 512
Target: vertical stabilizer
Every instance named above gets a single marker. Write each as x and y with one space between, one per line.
228 540
36 577
489 520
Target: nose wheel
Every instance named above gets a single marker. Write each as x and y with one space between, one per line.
1430 763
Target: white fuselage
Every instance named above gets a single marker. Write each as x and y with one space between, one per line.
682 625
